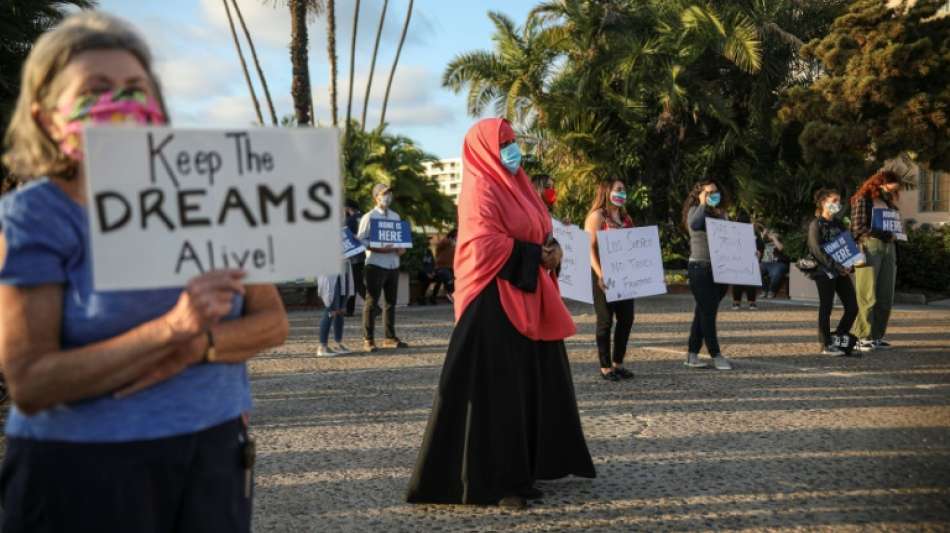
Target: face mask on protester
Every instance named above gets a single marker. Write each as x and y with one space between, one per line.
713 199
618 198
511 157
833 207
386 200
111 107
550 196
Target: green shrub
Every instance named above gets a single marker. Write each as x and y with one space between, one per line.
411 261
922 261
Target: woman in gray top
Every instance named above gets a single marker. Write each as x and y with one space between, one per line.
707 199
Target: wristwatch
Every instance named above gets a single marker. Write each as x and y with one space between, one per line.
210 354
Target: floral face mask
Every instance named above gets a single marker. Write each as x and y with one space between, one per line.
111 107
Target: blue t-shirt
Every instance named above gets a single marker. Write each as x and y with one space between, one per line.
47 240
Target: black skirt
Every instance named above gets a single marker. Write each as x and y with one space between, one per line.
504 414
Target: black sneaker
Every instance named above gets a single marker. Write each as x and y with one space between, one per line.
623 373
394 343
610 376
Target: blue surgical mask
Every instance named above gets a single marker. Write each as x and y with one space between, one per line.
511 157
833 207
713 199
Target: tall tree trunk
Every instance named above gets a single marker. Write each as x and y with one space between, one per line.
247 75
372 65
300 85
331 50
257 63
392 73
349 99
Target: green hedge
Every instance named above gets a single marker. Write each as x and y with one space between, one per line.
411 261
923 262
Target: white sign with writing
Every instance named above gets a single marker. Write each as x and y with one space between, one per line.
733 253
574 278
167 204
632 262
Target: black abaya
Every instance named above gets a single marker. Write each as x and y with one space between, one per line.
504 414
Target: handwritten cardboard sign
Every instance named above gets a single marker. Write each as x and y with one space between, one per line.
888 220
389 233
574 278
733 252
351 245
167 204
632 262
844 250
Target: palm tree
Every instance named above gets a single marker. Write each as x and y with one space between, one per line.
301 12
257 63
392 72
331 51
349 98
513 77
372 65
247 75
372 157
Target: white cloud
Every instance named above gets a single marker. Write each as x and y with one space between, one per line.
413 99
188 78
270 23
230 111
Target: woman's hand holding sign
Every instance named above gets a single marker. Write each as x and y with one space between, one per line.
204 302
551 255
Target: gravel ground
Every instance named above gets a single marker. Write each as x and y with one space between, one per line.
789 440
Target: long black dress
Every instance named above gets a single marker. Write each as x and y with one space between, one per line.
505 413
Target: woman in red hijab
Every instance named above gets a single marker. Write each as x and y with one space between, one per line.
504 413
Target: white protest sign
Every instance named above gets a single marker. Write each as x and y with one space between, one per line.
167 204
733 253
632 262
574 279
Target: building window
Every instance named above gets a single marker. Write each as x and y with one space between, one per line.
934 191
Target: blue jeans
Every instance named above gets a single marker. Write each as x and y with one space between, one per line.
330 318
776 272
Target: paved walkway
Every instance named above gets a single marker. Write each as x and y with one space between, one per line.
790 440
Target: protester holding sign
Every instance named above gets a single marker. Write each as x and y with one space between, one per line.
875 280
504 413
129 407
353 216
382 272
334 291
706 200
606 213
831 276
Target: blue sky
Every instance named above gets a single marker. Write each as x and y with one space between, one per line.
203 82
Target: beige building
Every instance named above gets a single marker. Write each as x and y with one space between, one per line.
448 174
928 202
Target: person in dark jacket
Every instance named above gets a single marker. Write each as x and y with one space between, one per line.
706 200
353 216
830 276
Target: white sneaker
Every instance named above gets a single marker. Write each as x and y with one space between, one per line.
324 351
721 363
833 351
865 345
340 349
881 344
692 361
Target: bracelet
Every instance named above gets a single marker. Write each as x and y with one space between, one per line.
210 354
